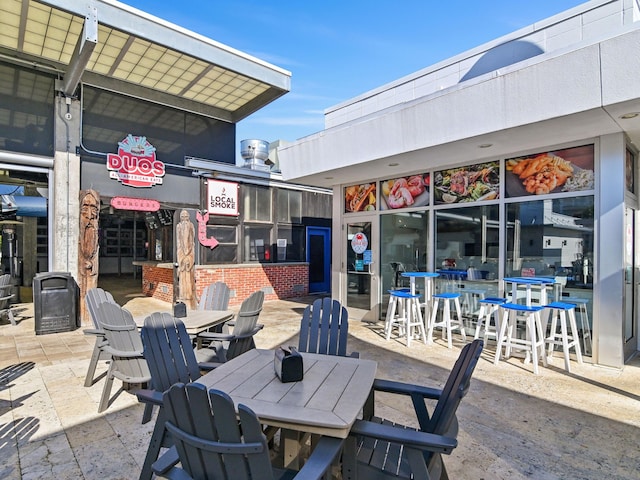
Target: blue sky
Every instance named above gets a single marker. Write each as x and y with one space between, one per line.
338 49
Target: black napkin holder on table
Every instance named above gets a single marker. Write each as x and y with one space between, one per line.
180 310
287 363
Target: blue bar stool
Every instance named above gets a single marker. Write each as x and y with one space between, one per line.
489 308
566 339
447 322
534 341
404 313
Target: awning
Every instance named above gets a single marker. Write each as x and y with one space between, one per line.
119 48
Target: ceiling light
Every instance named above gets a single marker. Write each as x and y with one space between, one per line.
485 145
629 115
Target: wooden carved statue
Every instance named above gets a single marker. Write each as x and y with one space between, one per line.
88 247
185 257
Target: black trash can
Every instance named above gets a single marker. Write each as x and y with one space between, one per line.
56 299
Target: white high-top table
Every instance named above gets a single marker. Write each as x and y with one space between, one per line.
428 288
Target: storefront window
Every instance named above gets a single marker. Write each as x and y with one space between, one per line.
257 243
227 249
468 241
257 203
290 243
404 241
289 206
554 238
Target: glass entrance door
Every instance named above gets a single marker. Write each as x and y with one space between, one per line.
361 297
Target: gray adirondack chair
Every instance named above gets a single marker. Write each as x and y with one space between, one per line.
93 298
124 346
5 298
213 442
170 357
237 335
215 297
324 328
380 449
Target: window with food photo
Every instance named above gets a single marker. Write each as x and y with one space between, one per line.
359 198
472 183
568 170
412 191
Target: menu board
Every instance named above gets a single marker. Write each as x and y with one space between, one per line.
151 220
358 198
568 170
402 192
467 184
165 217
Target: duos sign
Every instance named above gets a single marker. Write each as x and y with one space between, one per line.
135 164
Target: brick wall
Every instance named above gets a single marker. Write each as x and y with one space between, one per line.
278 280
157 282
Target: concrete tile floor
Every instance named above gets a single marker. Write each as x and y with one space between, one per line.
513 424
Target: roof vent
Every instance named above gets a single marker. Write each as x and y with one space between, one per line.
256 154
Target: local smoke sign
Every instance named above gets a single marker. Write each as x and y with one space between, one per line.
222 198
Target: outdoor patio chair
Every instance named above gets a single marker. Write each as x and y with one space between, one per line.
237 335
170 357
324 327
93 298
379 448
5 298
124 346
212 441
215 297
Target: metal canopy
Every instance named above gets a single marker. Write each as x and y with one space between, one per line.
139 55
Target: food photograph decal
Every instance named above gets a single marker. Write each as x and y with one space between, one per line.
568 170
358 198
412 191
467 184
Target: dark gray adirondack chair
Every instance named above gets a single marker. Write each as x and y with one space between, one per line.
5 298
93 298
324 328
237 335
378 448
215 297
169 353
124 346
213 442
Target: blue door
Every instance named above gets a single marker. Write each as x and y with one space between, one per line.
319 258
